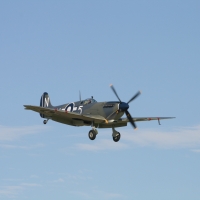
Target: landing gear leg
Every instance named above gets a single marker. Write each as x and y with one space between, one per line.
45 121
116 135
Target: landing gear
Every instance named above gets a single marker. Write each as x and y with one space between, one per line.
92 134
45 121
116 135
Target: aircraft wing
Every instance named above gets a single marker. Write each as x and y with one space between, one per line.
63 117
137 119
124 121
61 114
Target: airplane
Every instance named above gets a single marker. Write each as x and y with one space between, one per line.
89 112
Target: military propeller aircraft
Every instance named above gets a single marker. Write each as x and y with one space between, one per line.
89 112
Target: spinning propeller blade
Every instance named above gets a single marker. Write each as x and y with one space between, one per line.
130 119
113 89
135 96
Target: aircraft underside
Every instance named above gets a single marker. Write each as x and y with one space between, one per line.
93 132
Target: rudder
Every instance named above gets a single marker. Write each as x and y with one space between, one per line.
45 102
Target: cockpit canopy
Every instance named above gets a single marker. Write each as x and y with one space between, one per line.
88 101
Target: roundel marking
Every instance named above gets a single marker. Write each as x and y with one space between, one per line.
69 107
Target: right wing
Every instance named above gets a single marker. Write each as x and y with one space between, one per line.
54 113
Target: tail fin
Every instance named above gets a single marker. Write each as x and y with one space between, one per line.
45 102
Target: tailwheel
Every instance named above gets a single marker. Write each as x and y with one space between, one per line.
92 134
45 121
116 138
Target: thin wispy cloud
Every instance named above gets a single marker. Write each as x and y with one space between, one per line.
14 133
15 190
60 180
10 191
9 146
34 176
196 150
102 145
94 193
31 185
182 137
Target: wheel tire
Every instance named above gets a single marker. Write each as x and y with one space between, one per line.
45 121
117 137
92 134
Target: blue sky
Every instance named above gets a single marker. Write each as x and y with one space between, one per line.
66 46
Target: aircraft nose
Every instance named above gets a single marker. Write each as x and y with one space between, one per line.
123 106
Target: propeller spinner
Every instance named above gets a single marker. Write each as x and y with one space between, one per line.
124 106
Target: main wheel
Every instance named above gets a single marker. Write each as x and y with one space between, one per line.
45 121
92 134
117 137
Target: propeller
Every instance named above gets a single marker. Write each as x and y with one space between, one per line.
124 106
